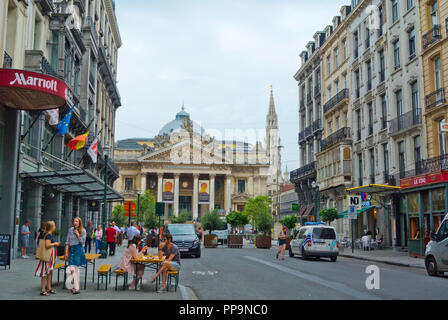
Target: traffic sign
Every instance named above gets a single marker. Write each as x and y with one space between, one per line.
352 215
130 206
354 201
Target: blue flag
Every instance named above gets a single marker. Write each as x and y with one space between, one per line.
63 125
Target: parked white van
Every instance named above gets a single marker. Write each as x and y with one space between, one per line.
315 240
436 256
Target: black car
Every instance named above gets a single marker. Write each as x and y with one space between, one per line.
186 239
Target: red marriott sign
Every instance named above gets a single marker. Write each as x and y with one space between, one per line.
423 180
25 90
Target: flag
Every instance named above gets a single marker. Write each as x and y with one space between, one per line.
63 125
54 116
93 150
79 142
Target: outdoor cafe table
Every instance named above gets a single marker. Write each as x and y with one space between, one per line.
90 259
150 261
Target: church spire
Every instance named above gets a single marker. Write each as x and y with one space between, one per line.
271 119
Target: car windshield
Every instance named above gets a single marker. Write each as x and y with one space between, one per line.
181 229
324 234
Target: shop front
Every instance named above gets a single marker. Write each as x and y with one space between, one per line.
422 207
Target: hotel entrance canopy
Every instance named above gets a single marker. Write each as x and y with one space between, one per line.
374 189
79 183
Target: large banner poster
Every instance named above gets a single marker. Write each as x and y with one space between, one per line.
204 191
168 191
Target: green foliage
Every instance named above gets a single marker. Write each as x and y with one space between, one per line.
118 216
328 215
256 206
237 219
183 217
290 222
148 210
212 221
264 221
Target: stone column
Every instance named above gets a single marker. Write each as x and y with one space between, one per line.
176 194
159 187
250 187
212 192
196 196
143 183
228 199
66 221
53 209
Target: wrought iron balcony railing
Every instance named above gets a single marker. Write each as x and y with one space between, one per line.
304 171
317 125
7 61
301 136
431 36
339 136
406 121
308 131
341 96
435 98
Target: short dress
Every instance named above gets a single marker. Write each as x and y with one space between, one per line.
44 268
281 241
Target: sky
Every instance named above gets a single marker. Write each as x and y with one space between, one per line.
218 58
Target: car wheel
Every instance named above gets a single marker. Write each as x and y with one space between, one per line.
198 256
333 259
431 267
291 254
304 256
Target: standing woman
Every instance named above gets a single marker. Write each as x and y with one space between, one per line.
40 233
98 238
74 251
89 230
44 269
282 243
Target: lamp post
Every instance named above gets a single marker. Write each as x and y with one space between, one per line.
315 187
103 240
278 191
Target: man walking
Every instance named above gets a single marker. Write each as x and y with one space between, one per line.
111 238
132 231
25 235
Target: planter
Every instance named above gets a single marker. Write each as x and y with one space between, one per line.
211 241
263 242
235 241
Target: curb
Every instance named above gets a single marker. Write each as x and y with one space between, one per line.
187 293
400 264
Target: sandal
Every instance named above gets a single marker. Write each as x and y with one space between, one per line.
44 293
76 291
52 292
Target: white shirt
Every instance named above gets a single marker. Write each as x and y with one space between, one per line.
132 231
117 229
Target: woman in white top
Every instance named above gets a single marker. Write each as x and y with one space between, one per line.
131 252
98 238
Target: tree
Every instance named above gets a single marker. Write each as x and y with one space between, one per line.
290 222
183 217
237 219
328 215
148 210
212 221
118 216
264 222
257 206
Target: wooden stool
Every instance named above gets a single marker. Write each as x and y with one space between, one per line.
104 271
59 267
173 275
121 273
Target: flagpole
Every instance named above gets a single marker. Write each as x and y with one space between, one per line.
32 125
85 153
68 156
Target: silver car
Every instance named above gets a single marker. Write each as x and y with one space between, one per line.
436 257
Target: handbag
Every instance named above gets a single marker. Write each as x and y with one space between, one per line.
43 253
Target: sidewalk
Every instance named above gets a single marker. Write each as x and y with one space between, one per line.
388 256
20 283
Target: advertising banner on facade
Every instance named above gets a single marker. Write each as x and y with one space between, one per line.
168 191
204 191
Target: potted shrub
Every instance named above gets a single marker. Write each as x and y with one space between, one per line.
236 219
328 215
290 223
211 221
264 223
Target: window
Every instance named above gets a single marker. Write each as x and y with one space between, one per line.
372 166
399 102
394 10
411 35
380 12
384 111
397 55
336 58
401 159
336 86
370 118
369 75
386 159
241 186
414 97
344 49
438 81
382 67
410 4
129 184
338 123
360 169
358 124
355 43
434 15
330 127
324 234
417 150
344 81
357 83
367 38
442 139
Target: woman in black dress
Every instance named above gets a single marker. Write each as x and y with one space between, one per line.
282 243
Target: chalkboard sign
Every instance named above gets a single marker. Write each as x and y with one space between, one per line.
5 250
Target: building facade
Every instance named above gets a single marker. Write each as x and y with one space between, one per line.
188 170
75 42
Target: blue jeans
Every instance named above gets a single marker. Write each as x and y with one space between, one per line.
97 245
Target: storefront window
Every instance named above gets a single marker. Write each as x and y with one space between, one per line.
1 157
414 228
437 220
413 202
438 200
425 201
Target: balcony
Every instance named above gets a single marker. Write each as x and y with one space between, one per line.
339 136
436 98
301 136
406 121
36 61
432 165
7 61
382 76
336 100
317 125
303 172
431 36
383 123
308 131
369 84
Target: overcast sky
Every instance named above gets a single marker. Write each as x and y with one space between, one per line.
220 57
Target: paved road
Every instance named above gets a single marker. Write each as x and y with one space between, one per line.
240 274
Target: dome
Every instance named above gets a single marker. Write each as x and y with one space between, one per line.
176 124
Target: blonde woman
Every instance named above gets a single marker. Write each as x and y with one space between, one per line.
44 269
74 251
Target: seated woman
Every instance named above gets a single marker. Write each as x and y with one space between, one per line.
131 252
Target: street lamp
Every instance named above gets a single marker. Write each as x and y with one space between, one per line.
315 187
103 240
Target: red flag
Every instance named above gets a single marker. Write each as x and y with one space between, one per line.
79 142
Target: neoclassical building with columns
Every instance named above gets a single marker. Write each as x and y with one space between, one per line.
188 170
